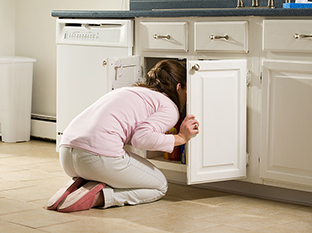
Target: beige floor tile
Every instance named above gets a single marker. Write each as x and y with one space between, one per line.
50 167
250 220
29 193
175 223
7 227
222 200
259 205
9 168
38 217
26 175
55 182
221 229
30 174
26 159
302 213
96 225
9 206
6 184
32 148
192 209
302 226
128 213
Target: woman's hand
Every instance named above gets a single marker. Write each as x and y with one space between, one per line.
188 129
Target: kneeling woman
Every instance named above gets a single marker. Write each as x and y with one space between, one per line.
91 149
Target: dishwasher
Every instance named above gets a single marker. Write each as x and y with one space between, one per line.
93 58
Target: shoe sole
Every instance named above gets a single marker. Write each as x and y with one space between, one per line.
81 199
68 188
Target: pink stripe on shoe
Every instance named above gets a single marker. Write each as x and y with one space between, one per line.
81 199
68 188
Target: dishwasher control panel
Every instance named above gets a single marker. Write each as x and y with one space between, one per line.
117 33
79 35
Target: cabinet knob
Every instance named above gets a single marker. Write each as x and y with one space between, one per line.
299 36
155 36
213 37
104 63
196 67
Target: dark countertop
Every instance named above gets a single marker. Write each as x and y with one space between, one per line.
211 12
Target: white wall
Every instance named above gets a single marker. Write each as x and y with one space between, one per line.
35 37
7 27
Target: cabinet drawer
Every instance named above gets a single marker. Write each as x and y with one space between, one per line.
221 36
164 36
287 35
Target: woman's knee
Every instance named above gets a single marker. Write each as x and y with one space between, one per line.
164 188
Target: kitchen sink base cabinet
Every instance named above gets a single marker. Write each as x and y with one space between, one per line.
251 92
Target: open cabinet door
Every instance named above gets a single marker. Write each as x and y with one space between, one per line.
217 97
123 72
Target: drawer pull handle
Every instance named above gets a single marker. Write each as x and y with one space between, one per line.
161 37
213 37
299 36
196 67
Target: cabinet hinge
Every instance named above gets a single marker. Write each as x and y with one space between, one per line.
248 78
261 78
140 73
259 160
247 158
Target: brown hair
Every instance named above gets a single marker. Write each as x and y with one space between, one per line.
164 77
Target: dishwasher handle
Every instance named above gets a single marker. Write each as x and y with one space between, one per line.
87 25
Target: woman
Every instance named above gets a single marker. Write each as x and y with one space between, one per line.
91 149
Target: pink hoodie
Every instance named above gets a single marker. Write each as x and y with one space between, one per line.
130 115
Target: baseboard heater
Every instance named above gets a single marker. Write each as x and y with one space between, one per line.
43 126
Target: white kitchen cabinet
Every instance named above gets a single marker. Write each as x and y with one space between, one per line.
217 97
286 117
287 123
219 152
277 130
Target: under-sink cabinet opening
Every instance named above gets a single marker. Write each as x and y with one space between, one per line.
216 95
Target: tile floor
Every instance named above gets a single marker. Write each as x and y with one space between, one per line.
30 174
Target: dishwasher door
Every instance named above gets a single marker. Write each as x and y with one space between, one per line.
84 48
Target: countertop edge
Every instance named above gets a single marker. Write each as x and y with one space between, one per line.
96 14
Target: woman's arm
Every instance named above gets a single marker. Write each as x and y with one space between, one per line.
150 134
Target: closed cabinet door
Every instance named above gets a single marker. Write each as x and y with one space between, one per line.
217 97
286 148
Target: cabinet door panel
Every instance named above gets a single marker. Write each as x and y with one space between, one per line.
217 97
287 122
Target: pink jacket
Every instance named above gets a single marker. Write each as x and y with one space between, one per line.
130 115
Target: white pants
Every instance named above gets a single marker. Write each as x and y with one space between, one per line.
130 178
